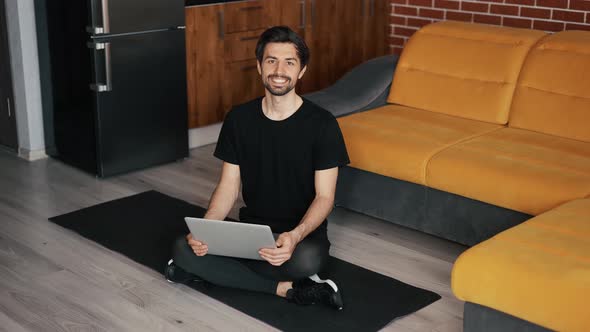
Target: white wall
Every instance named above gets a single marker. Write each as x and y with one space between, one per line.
22 40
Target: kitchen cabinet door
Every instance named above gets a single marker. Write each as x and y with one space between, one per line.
243 82
241 46
251 15
293 15
205 65
334 33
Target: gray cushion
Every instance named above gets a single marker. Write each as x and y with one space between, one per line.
365 86
478 318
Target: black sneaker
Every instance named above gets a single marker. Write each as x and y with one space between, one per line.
175 274
315 290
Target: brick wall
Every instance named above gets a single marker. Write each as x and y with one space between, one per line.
407 16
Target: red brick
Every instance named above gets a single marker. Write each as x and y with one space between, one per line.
487 19
446 4
401 31
517 22
403 10
418 22
399 20
474 7
535 12
397 41
565 15
432 13
498 1
400 2
580 4
521 2
459 16
587 17
552 3
422 3
548 25
572 26
504 10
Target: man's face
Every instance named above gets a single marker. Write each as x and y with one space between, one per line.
280 68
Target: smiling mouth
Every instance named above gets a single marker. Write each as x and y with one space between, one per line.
279 80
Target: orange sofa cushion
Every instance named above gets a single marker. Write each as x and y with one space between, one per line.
553 92
538 271
516 169
462 69
398 141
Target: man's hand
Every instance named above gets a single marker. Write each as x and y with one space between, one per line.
199 248
286 244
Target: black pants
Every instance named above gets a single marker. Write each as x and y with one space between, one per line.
309 257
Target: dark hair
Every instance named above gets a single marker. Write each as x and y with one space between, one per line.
282 34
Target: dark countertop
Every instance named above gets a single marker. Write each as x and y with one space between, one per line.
206 2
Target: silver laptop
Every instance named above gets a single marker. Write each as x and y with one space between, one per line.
234 239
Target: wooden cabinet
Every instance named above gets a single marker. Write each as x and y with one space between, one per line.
221 41
221 63
241 45
293 15
251 15
341 35
333 33
243 82
205 65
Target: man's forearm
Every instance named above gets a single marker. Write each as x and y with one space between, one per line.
317 212
222 201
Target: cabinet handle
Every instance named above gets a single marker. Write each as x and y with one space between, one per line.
221 24
312 13
363 8
251 8
8 104
302 25
246 68
248 38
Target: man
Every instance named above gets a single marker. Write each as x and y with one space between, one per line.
285 152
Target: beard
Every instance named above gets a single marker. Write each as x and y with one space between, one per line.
280 91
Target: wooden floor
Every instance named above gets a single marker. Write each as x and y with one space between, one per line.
54 280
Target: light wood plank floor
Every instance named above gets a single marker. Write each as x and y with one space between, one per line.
52 279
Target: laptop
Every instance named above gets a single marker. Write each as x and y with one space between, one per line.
233 239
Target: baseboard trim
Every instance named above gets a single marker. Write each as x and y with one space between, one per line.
196 137
32 155
203 136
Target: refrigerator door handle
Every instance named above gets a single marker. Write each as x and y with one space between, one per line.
106 46
312 19
106 22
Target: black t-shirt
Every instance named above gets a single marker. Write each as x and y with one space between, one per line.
278 160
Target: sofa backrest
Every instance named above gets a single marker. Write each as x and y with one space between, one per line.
553 92
462 69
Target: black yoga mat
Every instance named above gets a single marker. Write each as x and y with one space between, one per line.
144 226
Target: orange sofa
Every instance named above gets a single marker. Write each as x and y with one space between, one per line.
495 121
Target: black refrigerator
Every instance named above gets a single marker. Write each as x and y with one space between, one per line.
113 82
